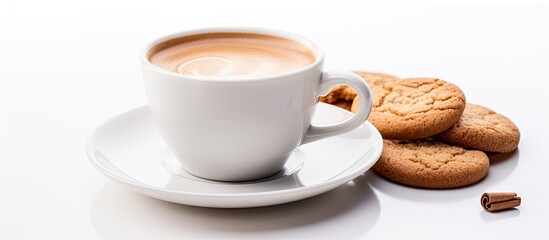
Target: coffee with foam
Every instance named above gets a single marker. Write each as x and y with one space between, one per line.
231 55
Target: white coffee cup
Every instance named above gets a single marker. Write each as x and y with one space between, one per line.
240 129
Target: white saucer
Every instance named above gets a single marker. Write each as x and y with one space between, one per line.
129 150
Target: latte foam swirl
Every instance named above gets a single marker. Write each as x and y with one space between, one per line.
207 66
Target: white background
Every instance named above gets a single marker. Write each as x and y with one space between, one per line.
66 67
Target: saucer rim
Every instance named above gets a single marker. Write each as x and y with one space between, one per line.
321 185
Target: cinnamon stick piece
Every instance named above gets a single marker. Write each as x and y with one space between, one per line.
495 201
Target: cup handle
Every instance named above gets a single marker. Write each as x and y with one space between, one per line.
333 78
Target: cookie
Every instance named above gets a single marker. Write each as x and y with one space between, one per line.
334 95
374 79
483 129
415 108
343 104
348 94
430 164
356 104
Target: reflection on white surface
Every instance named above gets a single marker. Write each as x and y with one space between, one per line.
181 180
500 215
344 213
173 166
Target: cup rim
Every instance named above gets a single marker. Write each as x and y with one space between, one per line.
319 54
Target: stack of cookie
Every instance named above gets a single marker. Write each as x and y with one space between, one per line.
432 137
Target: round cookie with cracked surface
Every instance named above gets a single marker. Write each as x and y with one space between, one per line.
481 128
416 108
342 93
430 164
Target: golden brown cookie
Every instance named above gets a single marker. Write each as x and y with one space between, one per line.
342 92
483 129
356 104
374 79
415 108
343 104
430 164
334 95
